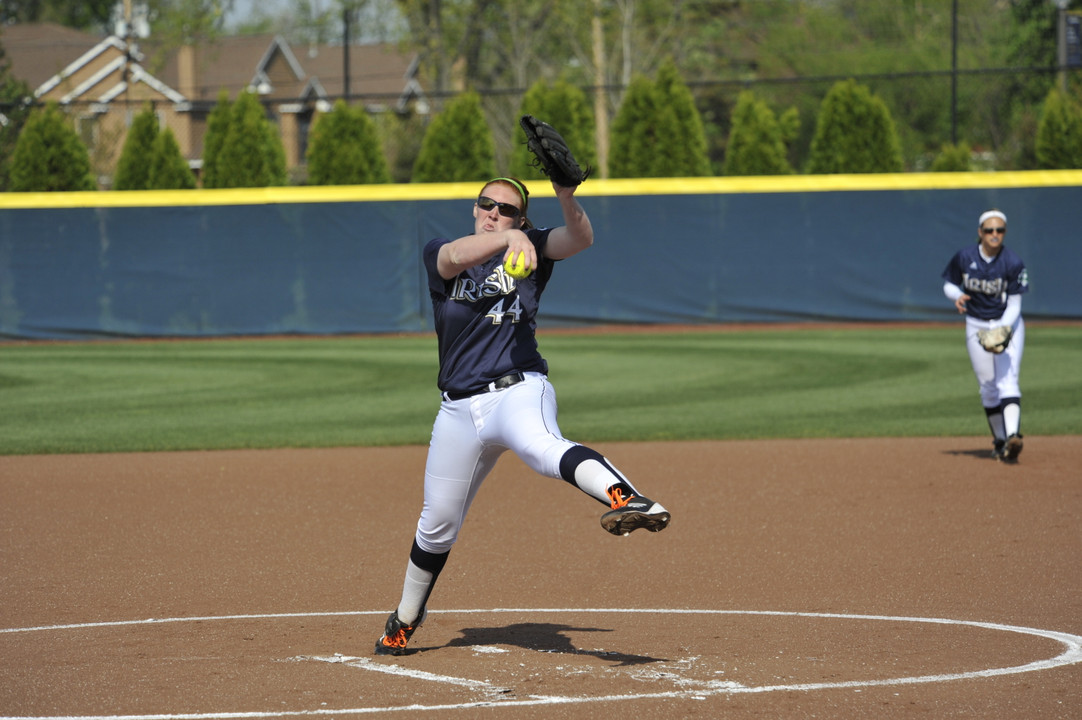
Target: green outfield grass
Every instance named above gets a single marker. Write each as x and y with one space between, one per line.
814 382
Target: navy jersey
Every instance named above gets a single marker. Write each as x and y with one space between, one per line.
485 319
987 283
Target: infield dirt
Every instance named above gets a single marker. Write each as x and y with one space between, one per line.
269 575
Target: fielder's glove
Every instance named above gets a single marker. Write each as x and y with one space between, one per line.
551 154
995 340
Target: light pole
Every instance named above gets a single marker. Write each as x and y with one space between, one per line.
1061 42
954 72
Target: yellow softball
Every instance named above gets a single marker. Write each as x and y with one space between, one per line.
515 266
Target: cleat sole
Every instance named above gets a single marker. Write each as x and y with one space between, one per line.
625 523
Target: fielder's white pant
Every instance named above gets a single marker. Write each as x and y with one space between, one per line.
997 375
469 435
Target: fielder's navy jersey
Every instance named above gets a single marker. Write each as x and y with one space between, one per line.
485 319
987 283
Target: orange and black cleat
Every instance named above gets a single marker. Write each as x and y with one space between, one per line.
631 512
396 634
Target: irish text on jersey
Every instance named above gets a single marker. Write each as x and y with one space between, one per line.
986 287
497 283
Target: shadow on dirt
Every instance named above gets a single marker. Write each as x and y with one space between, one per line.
983 453
544 637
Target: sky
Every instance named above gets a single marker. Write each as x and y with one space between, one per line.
243 8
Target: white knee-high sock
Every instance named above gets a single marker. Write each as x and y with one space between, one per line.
415 592
1012 418
421 573
592 473
594 478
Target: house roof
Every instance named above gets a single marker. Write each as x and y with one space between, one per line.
69 66
379 72
233 64
38 51
374 70
48 56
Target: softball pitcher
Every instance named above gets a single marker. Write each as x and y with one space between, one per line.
986 281
496 394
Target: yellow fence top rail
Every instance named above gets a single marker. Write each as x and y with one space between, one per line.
540 188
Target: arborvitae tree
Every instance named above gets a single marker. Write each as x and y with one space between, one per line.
789 126
168 168
133 168
854 134
274 154
253 155
1059 133
687 149
49 156
458 144
344 149
15 96
953 158
214 140
565 107
401 135
756 145
657 132
637 130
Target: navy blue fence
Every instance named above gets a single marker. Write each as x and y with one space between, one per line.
305 261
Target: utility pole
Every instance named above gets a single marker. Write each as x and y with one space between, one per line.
346 13
601 111
1061 43
126 72
954 73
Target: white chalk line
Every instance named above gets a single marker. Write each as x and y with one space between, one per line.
1072 654
366 664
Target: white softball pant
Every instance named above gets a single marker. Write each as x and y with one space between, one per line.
997 375
469 435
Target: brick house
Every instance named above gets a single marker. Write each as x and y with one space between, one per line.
104 84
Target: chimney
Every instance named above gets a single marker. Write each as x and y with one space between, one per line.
186 77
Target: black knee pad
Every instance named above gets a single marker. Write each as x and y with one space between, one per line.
431 562
575 457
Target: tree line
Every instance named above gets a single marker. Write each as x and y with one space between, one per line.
656 132
760 75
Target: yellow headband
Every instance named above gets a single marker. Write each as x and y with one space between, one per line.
518 186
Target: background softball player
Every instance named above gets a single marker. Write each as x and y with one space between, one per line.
986 282
496 395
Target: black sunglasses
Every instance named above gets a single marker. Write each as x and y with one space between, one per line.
996 230
506 209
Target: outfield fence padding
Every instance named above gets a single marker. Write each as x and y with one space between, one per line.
347 260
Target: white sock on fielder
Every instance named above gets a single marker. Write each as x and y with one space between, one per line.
1012 418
